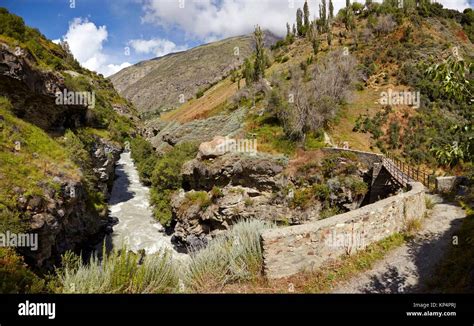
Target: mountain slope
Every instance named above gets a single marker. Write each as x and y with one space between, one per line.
165 83
57 158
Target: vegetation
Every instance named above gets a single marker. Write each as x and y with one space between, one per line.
230 258
166 178
121 271
16 277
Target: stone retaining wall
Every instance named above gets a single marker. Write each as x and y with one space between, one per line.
290 250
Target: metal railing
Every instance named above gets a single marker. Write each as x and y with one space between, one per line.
405 173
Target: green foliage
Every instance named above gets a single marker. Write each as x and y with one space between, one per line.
145 158
216 192
199 198
15 276
302 198
260 57
166 177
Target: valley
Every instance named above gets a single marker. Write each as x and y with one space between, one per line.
252 164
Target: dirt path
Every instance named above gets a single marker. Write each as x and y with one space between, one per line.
405 268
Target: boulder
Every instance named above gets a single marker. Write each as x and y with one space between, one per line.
216 147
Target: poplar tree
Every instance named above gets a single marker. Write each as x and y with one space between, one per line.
306 15
331 10
260 61
299 21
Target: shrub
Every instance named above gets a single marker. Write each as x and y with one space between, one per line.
231 257
166 178
121 271
15 277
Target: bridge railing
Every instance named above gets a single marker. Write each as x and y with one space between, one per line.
405 173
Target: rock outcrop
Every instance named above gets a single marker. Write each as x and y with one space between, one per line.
221 187
32 92
262 172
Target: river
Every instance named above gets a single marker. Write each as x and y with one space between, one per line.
129 203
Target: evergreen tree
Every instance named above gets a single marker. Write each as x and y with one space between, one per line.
288 31
294 29
329 37
260 60
348 3
299 22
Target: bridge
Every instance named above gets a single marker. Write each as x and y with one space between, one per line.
389 174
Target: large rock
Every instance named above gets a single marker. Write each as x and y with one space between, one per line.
262 172
216 147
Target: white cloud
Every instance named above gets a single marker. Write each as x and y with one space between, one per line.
159 47
85 40
210 19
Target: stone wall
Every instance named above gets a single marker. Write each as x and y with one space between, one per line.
289 250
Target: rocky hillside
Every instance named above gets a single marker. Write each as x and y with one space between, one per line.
57 158
322 85
164 83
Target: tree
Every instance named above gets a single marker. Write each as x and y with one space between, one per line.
331 10
294 30
315 44
315 102
248 72
260 60
306 15
348 3
288 31
329 37
299 22
323 17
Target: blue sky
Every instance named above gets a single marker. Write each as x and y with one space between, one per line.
107 35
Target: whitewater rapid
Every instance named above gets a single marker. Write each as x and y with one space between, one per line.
129 203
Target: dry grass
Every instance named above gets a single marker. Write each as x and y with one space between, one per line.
200 108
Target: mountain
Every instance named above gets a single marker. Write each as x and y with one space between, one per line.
164 83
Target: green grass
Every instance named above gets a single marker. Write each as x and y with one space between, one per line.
270 135
32 167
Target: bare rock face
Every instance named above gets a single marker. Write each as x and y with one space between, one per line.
262 172
62 219
105 155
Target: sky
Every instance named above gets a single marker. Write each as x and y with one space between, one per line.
109 35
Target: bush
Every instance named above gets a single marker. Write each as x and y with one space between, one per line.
233 257
166 178
121 271
145 158
15 277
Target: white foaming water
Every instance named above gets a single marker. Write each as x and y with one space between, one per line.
129 202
